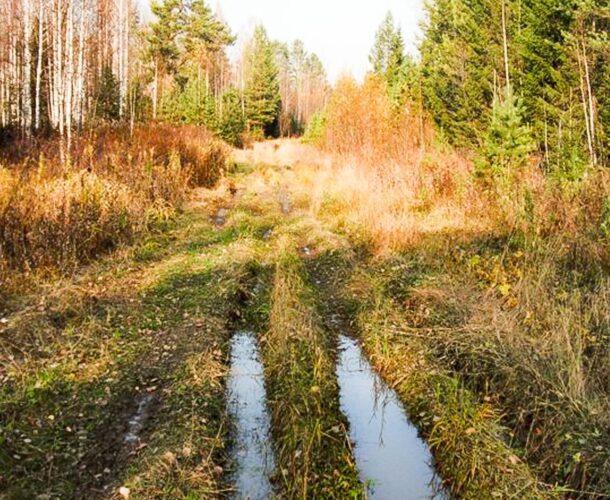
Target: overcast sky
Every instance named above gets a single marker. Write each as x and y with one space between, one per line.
341 32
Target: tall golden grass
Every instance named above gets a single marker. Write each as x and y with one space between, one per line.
59 210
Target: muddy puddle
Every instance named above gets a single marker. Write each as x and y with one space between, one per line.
138 419
252 454
394 462
221 216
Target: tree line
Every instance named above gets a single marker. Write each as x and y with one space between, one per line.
508 79
69 64
514 76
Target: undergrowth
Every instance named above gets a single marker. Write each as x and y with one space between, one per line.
59 209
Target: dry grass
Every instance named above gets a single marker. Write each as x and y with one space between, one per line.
55 214
526 263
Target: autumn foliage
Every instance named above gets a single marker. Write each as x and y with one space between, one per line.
56 212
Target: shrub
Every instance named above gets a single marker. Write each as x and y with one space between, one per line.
55 215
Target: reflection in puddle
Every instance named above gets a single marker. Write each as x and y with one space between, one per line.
221 216
392 459
137 420
252 452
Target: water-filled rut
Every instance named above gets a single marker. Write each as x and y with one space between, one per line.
394 462
252 452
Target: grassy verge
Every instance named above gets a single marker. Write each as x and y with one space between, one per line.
136 338
474 453
313 446
58 212
523 326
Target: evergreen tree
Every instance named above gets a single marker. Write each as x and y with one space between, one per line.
388 59
508 143
231 121
559 59
164 32
204 33
108 96
262 90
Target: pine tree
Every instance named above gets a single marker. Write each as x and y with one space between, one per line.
388 58
262 91
508 143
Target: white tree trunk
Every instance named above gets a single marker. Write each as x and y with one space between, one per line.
68 81
39 62
26 96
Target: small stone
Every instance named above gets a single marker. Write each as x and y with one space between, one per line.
124 492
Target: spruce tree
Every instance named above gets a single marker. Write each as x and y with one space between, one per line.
231 120
108 96
508 143
262 90
388 59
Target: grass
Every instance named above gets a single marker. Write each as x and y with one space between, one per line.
492 329
313 448
77 366
57 213
505 283
473 450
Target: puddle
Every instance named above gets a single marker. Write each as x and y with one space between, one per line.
138 419
285 202
221 216
253 452
392 459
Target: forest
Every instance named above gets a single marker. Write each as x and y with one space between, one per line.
226 274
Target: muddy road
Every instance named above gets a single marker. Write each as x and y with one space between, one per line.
225 357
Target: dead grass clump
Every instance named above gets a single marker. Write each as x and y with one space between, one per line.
198 150
388 178
362 120
67 220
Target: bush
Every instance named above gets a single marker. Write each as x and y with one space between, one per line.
315 130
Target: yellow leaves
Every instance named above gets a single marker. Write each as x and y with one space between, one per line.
504 289
170 457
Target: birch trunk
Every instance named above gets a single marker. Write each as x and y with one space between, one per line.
26 96
39 62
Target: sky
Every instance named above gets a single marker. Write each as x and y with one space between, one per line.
340 32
